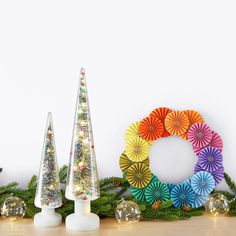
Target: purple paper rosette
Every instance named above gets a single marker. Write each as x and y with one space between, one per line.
197 168
210 159
218 174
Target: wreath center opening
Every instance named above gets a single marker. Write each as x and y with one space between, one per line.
172 155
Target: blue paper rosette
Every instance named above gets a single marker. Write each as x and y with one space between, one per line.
170 186
202 183
157 191
217 174
182 194
187 181
199 201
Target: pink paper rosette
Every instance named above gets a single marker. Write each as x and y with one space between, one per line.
216 142
210 159
199 135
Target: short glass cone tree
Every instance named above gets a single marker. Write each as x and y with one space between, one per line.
82 179
48 192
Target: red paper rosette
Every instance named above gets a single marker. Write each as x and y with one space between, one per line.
161 113
176 122
193 117
199 135
151 128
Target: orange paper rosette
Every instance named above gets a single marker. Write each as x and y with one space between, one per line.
151 128
161 113
193 117
176 122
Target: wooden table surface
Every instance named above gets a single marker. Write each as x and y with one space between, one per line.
196 226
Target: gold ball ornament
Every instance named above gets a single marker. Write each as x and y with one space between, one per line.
217 204
13 208
127 212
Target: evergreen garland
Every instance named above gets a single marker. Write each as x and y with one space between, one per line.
111 191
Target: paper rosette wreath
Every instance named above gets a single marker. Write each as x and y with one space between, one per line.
189 125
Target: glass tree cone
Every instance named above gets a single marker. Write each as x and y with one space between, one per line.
82 179
48 192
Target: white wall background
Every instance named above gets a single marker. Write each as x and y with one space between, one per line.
138 55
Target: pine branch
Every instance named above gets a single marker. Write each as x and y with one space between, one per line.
230 183
33 182
228 195
111 191
8 187
31 210
166 204
63 174
3 197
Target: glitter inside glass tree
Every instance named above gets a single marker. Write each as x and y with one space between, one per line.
48 192
82 180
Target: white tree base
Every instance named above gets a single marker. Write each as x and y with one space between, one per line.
45 220
85 222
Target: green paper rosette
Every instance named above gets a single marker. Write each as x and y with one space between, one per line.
157 191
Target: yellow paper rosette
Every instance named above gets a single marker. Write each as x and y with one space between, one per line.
139 175
137 149
132 131
125 162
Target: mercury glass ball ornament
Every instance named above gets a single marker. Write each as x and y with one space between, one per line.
217 204
13 208
127 212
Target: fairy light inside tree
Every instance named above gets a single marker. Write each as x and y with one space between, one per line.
48 192
82 180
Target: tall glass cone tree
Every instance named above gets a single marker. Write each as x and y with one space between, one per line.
48 192
82 180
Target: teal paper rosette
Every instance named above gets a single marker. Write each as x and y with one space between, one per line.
139 193
157 191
